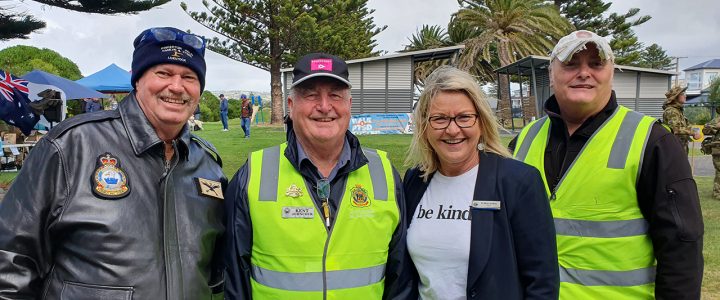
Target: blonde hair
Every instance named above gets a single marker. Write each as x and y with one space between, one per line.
450 79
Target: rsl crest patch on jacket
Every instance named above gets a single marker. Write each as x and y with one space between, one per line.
109 180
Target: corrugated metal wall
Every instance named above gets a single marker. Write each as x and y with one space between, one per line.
651 93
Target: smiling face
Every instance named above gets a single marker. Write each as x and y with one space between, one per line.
455 147
584 83
320 111
168 95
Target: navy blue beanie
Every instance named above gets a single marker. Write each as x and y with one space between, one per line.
166 45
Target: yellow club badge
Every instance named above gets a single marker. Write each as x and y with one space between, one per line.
210 188
109 180
293 191
359 196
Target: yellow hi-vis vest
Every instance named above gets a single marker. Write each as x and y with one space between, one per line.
295 256
604 251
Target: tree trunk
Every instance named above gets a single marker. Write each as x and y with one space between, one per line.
504 103
276 96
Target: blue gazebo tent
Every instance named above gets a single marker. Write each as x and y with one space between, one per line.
112 79
71 89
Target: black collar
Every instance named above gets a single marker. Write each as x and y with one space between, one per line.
141 132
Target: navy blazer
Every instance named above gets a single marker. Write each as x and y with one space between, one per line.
513 254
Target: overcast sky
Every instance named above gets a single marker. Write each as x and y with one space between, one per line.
683 28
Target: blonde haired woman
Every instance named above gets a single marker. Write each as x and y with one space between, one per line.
480 224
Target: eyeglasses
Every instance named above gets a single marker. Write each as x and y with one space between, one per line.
462 121
164 34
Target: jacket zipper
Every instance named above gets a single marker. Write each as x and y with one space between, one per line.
168 168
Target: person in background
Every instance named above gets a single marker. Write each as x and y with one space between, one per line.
318 216
246 112
113 103
675 119
93 105
479 221
625 204
126 203
713 128
224 112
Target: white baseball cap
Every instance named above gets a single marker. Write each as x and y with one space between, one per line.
576 41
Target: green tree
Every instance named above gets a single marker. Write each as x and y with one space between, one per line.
627 48
20 60
427 37
654 57
714 89
516 28
271 34
19 25
209 107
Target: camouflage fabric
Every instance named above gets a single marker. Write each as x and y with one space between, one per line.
713 128
679 125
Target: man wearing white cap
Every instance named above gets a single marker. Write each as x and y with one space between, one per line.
625 204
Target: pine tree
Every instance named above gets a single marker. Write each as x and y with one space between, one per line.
18 25
654 57
271 34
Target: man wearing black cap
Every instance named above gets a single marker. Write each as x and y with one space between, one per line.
121 204
317 217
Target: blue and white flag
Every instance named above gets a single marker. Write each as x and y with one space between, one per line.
14 103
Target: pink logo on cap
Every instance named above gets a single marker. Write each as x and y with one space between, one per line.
321 64
583 34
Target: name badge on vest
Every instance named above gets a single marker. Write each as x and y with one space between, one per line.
298 212
486 204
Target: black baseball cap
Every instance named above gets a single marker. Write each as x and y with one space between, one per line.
320 64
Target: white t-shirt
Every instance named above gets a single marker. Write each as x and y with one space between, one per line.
439 236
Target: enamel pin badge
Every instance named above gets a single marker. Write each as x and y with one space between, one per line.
293 191
109 180
209 188
359 196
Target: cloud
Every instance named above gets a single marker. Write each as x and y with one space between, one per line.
95 41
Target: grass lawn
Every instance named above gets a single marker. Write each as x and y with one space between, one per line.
234 150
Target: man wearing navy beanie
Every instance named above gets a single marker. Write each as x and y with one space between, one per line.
123 203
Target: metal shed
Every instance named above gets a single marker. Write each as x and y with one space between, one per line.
639 89
383 84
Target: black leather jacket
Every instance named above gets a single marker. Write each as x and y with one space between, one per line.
60 239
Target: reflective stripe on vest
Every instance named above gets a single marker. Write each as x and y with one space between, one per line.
295 256
597 219
611 278
601 229
313 281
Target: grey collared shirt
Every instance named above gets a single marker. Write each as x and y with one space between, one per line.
342 161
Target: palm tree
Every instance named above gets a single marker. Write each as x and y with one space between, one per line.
515 28
427 37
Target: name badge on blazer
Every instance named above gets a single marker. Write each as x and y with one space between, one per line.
486 204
